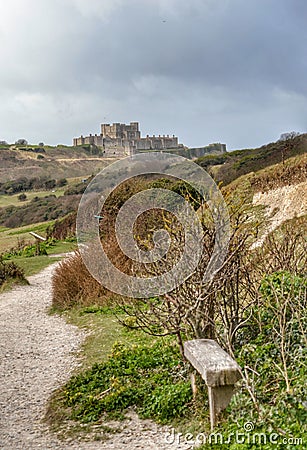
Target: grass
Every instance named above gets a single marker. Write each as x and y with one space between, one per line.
104 329
7 200
9 238
10 283
38 228
34 265
8 241
62 247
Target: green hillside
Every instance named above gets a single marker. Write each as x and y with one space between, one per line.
230 166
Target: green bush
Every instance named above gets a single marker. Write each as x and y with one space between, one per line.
151 378
273 356
29 250
22 197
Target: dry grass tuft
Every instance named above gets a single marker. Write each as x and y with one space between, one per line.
73 285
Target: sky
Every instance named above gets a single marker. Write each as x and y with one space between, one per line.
230 71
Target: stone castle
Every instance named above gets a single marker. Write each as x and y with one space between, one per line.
120 139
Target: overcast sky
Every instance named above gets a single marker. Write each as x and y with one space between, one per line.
231 71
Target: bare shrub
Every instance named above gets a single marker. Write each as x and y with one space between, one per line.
63 228
73 285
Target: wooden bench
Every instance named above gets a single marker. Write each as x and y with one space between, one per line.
38 240
218 370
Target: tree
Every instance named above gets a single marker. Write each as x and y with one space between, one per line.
21 142
288 141
61 182
50 184
22 197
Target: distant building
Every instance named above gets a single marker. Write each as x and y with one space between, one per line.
125 139
120 139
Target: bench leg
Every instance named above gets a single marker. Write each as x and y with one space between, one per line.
193 384
219 398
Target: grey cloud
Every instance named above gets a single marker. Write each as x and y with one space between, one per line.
207 70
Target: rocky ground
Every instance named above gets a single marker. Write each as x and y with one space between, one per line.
283 203
38 352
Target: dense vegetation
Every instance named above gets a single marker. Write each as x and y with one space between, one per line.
63 228
38 210
155 382
72 283
228 167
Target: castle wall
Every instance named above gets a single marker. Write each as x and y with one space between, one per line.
121 140
127 138
156 143
211 149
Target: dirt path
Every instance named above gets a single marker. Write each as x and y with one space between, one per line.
37 354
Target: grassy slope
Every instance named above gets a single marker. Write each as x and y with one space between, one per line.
58 162
6 200
293 171
34 265
230 166
105 330
9 238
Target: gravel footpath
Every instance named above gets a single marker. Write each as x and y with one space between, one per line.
37 355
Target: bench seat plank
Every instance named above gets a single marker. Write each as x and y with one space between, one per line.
216 367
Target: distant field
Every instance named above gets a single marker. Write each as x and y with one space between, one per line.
55 162
9 236
7 200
